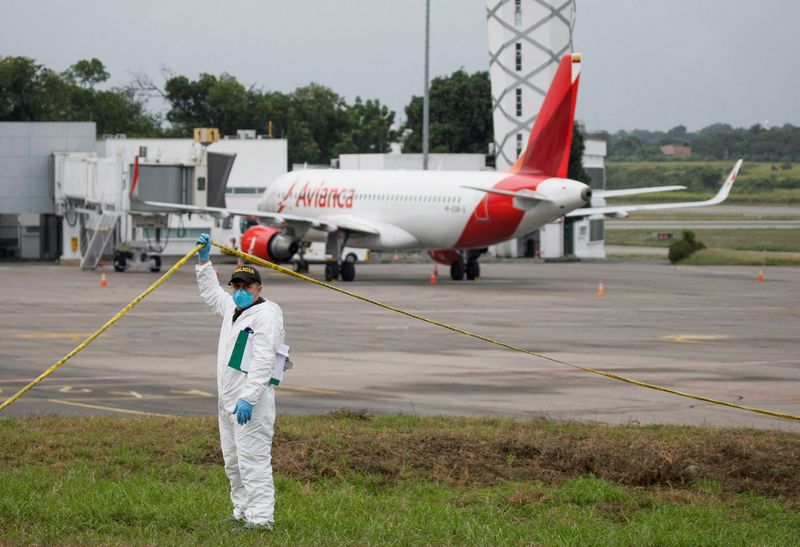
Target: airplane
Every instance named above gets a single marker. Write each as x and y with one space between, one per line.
453 215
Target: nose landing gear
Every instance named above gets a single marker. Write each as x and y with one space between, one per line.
331 271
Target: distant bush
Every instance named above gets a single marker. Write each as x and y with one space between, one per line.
679 250
684 248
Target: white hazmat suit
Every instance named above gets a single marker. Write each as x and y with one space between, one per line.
246 448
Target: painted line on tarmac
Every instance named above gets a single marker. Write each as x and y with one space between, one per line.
118 398
127 394
314 390
70 389
693 338
109 408
39 335
191 392
70 379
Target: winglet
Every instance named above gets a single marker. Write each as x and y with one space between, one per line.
722 195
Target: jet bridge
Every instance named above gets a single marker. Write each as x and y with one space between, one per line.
93 196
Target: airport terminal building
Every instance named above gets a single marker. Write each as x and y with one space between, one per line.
66 193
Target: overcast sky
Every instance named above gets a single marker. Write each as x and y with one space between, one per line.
649 64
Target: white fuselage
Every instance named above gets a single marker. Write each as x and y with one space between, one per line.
423 209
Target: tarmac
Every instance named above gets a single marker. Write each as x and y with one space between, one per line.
713 331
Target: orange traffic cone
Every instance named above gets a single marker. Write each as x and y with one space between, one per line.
433 278
760 276
103 280
601 290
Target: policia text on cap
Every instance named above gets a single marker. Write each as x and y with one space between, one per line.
251 332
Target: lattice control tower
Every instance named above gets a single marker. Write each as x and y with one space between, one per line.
526 41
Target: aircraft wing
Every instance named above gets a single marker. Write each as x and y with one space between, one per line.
623 210
347 223
352 223
634 191
272 218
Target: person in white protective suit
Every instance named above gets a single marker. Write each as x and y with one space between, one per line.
251 332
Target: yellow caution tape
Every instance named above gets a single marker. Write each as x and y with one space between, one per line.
292 273
102 329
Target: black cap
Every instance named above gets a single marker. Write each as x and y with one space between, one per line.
248 274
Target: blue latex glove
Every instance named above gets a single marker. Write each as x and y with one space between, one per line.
204 253
243 411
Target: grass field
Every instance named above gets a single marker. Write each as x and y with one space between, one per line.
728 257
758 182
783 196
700 214
766 239
751 170
734 247
349 478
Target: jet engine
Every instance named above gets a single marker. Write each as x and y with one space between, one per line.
269 243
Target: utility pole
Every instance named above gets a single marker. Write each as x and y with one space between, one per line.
426 101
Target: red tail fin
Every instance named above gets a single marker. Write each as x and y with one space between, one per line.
549 144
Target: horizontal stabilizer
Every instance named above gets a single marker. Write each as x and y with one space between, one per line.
528 195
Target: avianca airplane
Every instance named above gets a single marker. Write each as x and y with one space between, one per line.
454 215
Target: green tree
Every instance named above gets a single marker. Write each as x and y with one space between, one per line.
324 113
678 134
575 171
189 105
315 120
369 129
31 92
87 72
460 115
211 101
114 111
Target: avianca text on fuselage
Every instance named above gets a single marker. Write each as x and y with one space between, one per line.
322 197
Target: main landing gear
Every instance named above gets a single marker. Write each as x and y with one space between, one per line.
467 265
346 269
